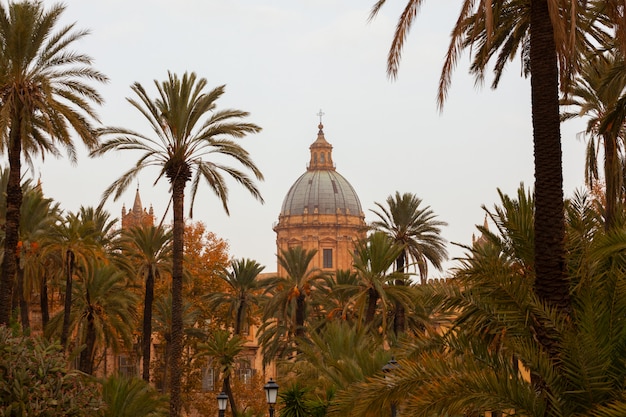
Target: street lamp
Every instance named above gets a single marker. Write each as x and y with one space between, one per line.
387 368
271 392
222 402
390 366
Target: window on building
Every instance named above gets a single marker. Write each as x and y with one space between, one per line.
245 375
328 258
126 366
208 379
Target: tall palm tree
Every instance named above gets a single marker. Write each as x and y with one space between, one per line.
187 129
550 37
243 296
592 97
44 96
418 231
149 249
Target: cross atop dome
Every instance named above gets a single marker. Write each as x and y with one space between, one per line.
321 150
321 125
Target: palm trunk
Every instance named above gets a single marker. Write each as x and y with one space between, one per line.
69 271
611 174
166 362
43 300
178 188
300 312
229 392
147 325
12 224
87 355
371 306
399 317
551 282
22 301
15 303
239 317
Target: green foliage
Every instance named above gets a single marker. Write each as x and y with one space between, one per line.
490 357
337 355
294 402
34 381
132 397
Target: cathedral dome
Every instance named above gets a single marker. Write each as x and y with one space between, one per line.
321 189
321 212
323 192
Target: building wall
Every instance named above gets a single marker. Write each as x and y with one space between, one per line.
338 232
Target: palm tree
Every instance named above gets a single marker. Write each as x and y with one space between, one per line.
285 312
374 258
592 97
188 128
38 216
336 293
44 95
149 249
106 231
417 230
243 295
75 242
223 348
103 311
514 236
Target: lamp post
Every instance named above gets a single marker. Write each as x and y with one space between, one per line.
222 402
387 368
271 392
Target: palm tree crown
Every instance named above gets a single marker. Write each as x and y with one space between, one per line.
44 96
185 137
243 294
415 228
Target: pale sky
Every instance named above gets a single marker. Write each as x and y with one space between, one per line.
283 61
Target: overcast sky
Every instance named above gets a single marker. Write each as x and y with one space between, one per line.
285 60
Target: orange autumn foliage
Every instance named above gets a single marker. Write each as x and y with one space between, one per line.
205 255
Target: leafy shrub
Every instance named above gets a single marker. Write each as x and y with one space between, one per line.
35 380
